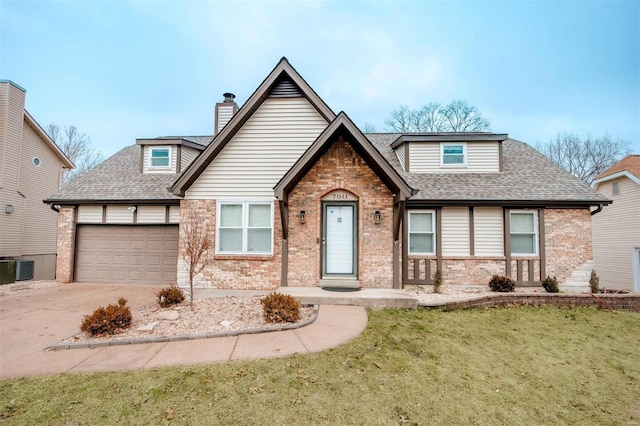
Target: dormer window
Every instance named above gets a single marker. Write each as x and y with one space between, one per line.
160 157
453 154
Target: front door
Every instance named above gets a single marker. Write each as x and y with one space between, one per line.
339 239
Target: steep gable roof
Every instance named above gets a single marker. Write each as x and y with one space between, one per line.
628 166
48 141
343 126
283 71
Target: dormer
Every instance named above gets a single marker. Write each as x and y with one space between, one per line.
167 154
450 152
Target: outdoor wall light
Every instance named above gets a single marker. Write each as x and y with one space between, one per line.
131 209
302 216
377 217
8 208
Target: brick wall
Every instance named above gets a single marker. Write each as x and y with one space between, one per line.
568 242
65 244
230 272
341 168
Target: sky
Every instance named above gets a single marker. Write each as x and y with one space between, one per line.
121 70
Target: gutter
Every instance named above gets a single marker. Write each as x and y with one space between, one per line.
598 210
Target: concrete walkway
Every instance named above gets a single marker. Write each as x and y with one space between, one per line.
33 320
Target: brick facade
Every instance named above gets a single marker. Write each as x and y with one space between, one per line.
341 168
231 271
568 241
66 244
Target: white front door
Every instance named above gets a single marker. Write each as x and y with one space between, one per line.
339 241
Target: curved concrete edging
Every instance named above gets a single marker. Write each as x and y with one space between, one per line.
630 302
142 340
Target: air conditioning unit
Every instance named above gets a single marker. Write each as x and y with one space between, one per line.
24 269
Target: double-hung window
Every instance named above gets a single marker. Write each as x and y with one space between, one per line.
245 228
524 232
422 234
453 154
160 157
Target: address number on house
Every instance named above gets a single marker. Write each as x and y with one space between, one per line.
339 195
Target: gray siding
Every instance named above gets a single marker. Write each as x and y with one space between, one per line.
455 231
616 231
90 214
187 156
488 231
261 152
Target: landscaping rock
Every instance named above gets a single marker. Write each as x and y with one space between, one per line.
148 328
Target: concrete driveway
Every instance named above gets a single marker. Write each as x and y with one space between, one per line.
31 321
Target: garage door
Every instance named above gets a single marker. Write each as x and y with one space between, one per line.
127 254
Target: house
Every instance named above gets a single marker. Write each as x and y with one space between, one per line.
31 166
616 230
296 195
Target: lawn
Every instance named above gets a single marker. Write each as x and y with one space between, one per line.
493 366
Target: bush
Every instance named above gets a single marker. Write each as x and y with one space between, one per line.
551 285
437 281
594 282
109 320
170 296
502 284
280 308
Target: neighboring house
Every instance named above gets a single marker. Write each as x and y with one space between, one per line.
616 230
31 166
296 195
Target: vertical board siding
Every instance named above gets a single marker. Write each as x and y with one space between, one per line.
400 153
89 214
119 214
174 214
482 157
188 155
151 214
616 231
488 231
262 151
147 159
455 231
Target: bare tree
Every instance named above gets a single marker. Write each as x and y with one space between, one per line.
77 146
462 117
457 116
368 128
195 245
584 157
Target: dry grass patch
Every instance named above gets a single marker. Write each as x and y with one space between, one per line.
495 366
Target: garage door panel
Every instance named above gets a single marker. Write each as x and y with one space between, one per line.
127 254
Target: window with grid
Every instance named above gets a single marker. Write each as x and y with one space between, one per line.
524 233
453 154
422 234
245 228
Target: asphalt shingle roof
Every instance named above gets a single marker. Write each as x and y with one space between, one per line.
118 178
528 175
630 164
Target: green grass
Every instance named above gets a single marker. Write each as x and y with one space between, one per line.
494 366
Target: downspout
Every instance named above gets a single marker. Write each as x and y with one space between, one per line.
598 210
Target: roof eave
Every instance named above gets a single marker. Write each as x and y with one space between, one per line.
623 173
508 203
66 161
137 201
453 137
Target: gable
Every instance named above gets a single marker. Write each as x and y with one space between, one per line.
261 152
283 81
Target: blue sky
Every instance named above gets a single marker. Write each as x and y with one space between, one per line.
123 70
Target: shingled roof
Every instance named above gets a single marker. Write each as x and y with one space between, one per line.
117 179
527 176
629 164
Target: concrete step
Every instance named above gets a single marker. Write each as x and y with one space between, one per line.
340 283
372 298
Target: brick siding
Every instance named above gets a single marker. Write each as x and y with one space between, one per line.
65 244
568 242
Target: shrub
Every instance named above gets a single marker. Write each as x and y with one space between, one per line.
109 320
594 282
170 296
551 285
502 284
437 281
280 308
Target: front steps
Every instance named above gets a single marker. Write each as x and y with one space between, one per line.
578 282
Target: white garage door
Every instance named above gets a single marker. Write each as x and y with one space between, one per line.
127 254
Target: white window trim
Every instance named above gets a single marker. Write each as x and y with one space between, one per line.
245 227
536 243
154 148
464 154
433 226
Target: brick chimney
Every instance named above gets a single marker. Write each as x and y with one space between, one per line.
224 111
